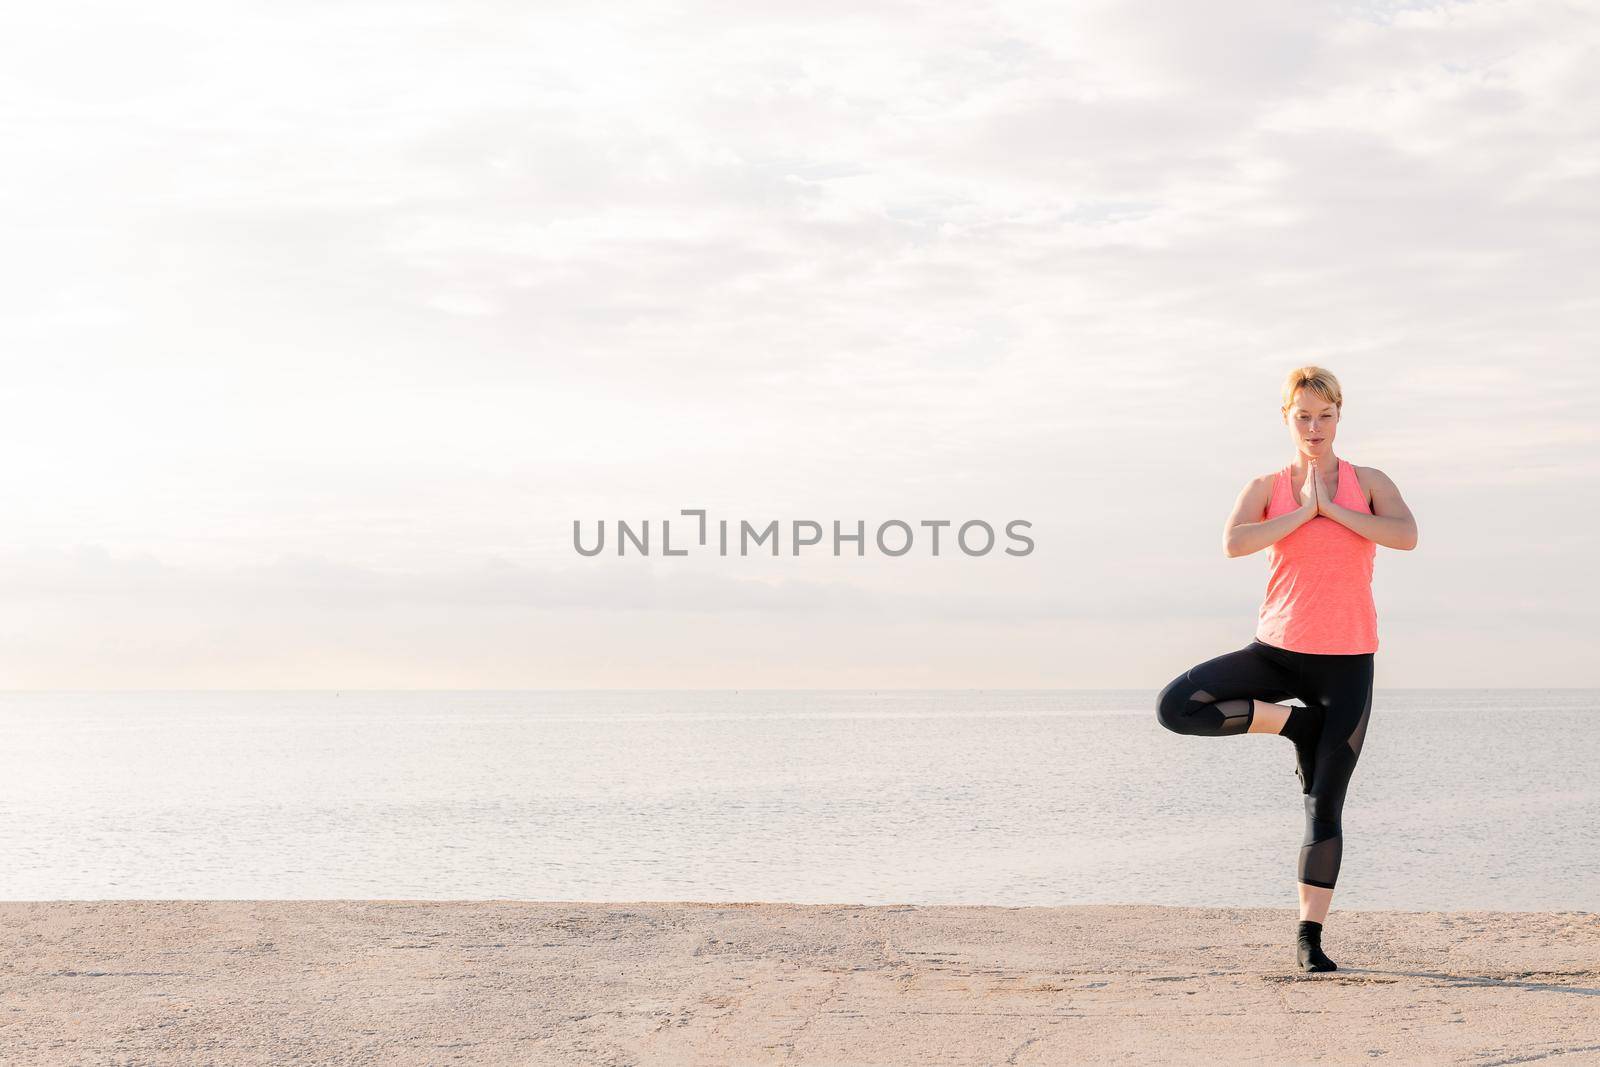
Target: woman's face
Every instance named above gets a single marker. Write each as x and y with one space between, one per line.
1312 424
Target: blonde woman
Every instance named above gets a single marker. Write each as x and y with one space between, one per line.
1320 518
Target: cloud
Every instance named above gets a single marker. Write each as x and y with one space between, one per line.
336 304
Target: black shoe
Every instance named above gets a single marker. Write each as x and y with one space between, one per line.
1310 955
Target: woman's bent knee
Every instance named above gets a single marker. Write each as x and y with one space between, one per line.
1173 704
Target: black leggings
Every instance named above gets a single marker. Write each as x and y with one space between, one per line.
1214 700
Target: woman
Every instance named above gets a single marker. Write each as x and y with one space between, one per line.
1320 519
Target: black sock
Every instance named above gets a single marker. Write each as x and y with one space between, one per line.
1303 726
1310 953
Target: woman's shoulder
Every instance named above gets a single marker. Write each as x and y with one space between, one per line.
1370 478
1256 496
1370 475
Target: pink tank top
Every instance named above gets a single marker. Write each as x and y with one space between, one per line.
1319 588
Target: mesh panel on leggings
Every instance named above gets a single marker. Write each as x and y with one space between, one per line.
1324 845
1218 718
1360 732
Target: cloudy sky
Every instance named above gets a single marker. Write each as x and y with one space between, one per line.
323 323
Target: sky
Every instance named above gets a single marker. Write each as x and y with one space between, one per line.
323 323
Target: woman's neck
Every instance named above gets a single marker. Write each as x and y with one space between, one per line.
1328 465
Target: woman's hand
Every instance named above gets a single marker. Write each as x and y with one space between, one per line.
1309 499
1324 497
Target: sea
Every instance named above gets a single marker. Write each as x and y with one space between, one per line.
1462 799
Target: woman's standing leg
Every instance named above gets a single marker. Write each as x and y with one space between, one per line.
1342 686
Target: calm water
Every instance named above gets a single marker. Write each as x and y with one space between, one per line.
1462 799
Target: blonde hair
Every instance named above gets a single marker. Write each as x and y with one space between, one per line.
1318 380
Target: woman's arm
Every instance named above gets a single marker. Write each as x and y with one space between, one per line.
1242 536
1391 523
